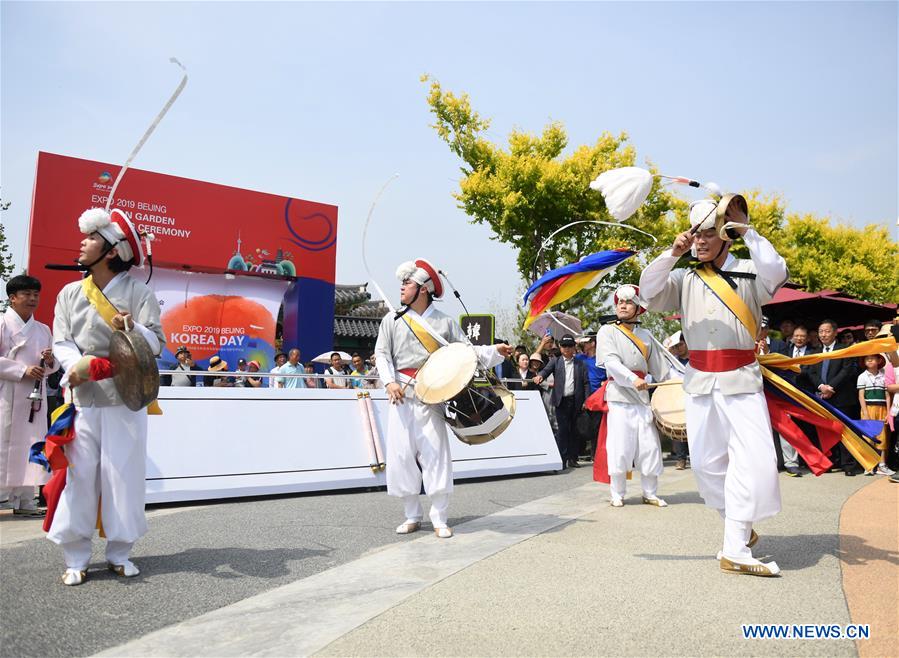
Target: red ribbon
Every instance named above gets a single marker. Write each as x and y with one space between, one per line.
597 402
783 414
59 464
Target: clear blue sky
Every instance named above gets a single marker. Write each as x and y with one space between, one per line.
324 102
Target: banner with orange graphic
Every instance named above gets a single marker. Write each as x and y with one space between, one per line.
233 317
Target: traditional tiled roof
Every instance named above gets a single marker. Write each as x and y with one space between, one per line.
350 295
372 309
356 327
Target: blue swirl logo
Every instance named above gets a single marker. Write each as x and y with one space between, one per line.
314 219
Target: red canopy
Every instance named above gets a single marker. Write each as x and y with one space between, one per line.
810 308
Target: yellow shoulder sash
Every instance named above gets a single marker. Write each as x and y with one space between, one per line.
729 298
639 344
98 300
424 337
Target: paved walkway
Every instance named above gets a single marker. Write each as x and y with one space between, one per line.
869 551
562 574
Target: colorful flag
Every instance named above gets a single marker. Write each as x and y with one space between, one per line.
563 283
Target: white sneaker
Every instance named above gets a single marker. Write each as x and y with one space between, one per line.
617 502
883 469
127 569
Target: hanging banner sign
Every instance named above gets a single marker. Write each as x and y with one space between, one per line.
198 226
231 316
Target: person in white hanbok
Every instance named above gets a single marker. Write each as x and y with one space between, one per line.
629 355
25 358
418 449
107 458
728 426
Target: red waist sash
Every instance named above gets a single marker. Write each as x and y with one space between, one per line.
639 373
409 372
720 360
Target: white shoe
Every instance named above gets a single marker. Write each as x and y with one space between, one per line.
883 469
654 500
408 527
444 532
127 569
617 502
73 577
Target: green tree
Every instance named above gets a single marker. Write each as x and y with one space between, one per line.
821 255
530 188
861 262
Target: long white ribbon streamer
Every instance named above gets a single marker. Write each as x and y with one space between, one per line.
549 238
365 242
148 132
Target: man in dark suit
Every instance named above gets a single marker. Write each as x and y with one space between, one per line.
835 381
571 388
796 348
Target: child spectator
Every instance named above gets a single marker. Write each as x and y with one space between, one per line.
875 401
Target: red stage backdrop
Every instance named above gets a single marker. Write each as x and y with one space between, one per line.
199 226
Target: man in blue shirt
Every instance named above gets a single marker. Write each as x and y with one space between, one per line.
292 367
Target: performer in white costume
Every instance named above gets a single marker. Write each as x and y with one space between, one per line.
628 354
728 426
107 458
25 358
418 449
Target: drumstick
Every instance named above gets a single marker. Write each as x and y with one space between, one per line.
670 382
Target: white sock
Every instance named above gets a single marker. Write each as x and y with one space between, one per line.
118 552
736 534
77 554
618 486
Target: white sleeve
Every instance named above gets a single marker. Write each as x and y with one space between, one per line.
771 268
384 354
11 370
488 356
151 338
659 286
623 376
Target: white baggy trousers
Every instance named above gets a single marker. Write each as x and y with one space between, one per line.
632 438
418 451
107 467
732 454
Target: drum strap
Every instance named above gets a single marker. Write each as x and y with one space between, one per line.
108 311
423 335
729 298
639 344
